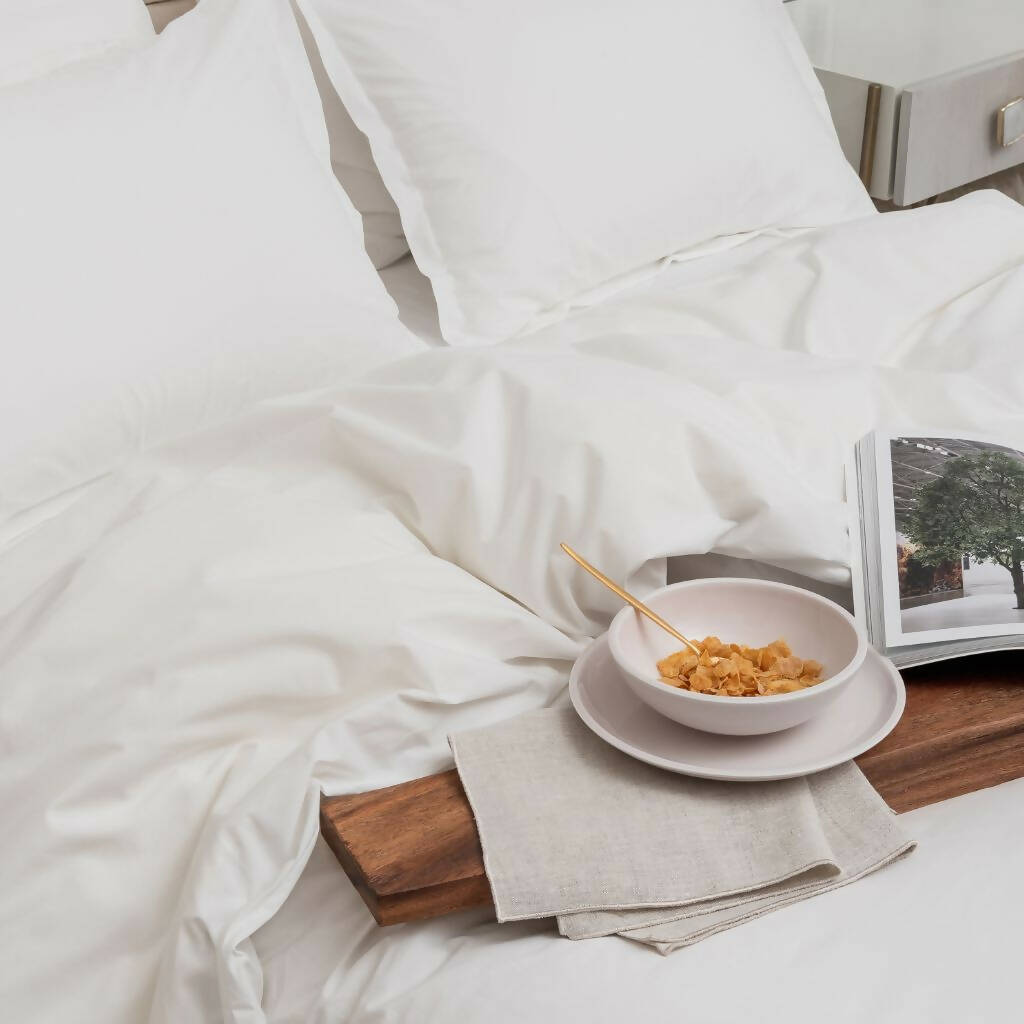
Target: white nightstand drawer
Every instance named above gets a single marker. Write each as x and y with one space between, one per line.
949 128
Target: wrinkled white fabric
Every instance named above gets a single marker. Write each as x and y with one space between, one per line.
180 670
720 412
191 647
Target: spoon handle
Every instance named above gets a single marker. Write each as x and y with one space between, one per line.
629 598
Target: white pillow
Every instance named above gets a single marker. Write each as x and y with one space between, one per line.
196 255
537 150
354 168
37 36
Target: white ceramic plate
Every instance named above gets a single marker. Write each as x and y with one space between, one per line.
866 711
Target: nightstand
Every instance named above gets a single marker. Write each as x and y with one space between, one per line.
926 95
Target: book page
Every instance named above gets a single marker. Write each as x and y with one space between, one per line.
951 537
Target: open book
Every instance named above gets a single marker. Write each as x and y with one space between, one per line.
938 545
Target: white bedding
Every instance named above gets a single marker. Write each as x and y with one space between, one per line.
868 952
200 257
522 187
415 301
202 640
718 406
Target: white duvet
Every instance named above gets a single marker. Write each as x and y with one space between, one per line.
316 595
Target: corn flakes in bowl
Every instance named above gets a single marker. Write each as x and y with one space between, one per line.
721 693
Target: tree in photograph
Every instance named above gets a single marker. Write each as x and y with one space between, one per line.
976 508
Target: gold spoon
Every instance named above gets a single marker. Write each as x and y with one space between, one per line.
629 598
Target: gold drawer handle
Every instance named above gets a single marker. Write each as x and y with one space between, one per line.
1010 122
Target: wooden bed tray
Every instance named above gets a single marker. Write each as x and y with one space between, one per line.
412 850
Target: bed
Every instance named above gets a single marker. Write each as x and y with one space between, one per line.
307 588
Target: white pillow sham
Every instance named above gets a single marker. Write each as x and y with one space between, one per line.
354 167
37 36
197 256
538 150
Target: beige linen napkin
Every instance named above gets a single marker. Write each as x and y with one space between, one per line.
572 828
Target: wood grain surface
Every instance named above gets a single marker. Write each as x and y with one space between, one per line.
412 850
963 730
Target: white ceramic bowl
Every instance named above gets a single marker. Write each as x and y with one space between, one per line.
752 612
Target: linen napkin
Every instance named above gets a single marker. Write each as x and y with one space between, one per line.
574 829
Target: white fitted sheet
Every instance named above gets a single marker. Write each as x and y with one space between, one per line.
203 640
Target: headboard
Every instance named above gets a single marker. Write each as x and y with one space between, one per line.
163 11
